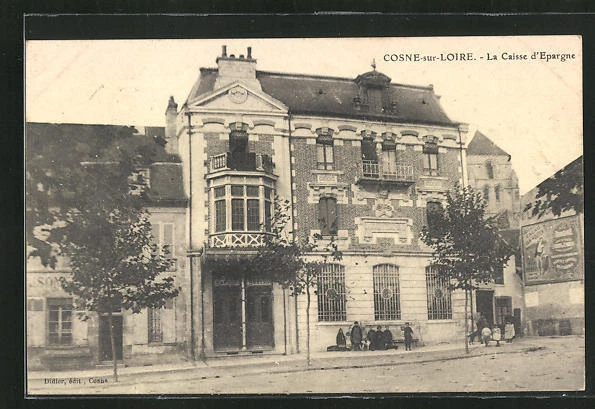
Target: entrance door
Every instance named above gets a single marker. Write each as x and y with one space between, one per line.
503 310
259 316
105 345
227 317
485 305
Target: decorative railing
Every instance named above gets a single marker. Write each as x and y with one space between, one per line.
238 239
242 161
373 170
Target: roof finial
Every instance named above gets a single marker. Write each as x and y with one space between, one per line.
373 63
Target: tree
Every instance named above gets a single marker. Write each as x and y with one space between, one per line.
114 264
293 264
467 248
285 260
562 192
82 204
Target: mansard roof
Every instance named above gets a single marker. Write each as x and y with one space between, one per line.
78 143
482 145
334 96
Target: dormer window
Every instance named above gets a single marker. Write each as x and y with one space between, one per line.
139 181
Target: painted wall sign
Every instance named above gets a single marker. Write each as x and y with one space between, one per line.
553 251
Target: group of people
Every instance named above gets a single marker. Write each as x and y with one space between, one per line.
484 333
374 339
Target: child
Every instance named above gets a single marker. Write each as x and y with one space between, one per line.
486 335
496 335
509 331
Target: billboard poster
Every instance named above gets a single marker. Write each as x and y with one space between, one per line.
552 251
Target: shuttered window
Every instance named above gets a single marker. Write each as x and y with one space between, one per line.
327 215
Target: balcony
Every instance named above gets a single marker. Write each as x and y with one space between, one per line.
241 161
375 173
237 239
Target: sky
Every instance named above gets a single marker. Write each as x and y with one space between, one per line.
531 108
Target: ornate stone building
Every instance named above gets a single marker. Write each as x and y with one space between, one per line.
360 159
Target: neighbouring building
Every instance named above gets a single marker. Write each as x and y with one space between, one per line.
56 337
490 172
360 159
553 264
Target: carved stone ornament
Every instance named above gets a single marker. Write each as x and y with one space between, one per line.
383 208
238 95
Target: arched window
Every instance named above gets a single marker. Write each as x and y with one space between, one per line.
331 293
327 216
438 295
386 292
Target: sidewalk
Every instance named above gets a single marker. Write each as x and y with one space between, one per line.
232 366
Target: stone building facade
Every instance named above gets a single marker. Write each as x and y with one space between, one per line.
362 160
56 337
491 173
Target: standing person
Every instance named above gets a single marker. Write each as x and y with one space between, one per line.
371 335
341 341
388 338
380 338
509 330
356 337
408 332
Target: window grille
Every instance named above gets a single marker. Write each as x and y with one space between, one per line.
59 321
331 293
386 292
439 296
155 328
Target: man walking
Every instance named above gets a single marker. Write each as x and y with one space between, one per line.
408 332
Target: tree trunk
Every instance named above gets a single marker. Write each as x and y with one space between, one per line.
466 321
472 315
113 343
308 324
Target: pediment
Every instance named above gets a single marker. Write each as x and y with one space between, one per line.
238 97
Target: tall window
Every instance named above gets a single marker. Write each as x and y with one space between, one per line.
434 212
327 216
249 207
324 153
430 152
497 193
59 321
155 328
386 292
238 141
486 193
220 208
389 159
438 295
490 169
369 150
331 293
163 234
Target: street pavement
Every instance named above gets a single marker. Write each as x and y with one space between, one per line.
528 364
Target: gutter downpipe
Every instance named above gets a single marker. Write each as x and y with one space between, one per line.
297 337
192 335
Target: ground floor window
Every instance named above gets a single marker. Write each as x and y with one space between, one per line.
59 321
331 293
438 295
386 292
155 328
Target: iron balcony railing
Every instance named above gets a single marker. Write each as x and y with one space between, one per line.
374 170
242 161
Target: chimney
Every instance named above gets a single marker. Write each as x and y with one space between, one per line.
171 115
241 69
